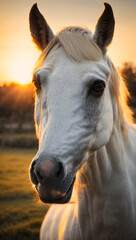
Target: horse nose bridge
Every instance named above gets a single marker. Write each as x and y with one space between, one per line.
58 124
54 142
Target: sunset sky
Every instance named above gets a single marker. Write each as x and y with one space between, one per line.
17 52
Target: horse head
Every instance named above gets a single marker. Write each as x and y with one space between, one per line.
73 105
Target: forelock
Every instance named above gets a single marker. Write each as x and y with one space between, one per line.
78 44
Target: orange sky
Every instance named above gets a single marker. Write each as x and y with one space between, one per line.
17 52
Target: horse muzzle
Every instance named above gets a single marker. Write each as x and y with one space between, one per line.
50 181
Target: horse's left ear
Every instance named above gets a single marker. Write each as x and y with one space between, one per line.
40 30
104 28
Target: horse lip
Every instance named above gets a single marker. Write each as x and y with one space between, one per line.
63 199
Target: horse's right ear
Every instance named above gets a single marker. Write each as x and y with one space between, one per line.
40 30
105 28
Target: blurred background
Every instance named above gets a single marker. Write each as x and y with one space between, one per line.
20 213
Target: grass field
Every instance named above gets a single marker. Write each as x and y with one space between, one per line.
20 214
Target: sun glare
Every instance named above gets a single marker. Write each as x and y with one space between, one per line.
21 71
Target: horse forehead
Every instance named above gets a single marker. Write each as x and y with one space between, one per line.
63 66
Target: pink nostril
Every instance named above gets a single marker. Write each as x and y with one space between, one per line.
49 170
47 167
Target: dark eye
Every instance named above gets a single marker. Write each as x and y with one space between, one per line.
36 82
96 89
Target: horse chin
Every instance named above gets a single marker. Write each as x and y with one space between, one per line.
54 196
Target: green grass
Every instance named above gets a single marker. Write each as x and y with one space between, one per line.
20 215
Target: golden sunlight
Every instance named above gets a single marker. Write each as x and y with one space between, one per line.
21 70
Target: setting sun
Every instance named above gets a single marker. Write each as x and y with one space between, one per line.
21 70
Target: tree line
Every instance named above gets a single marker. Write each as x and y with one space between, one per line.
128 73
16 105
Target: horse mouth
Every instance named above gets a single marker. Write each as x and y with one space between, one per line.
54 196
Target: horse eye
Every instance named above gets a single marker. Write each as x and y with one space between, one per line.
36 81
97 88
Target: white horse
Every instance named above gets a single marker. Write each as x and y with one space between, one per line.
84 137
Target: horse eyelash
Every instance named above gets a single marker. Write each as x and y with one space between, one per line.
91 89
36 82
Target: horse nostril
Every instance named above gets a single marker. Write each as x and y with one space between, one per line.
32 173
39 176
49 170
60 170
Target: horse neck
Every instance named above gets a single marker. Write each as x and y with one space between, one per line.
107 162
105 190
